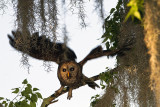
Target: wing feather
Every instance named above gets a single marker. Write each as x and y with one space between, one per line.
99 52
41 47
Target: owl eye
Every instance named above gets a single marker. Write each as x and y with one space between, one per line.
64 70
72 69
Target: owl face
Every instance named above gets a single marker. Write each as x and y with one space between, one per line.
69 73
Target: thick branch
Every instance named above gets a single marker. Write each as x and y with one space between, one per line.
51 99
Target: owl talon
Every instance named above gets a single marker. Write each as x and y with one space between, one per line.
69 94
69 97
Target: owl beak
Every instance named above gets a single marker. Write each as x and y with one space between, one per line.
68 74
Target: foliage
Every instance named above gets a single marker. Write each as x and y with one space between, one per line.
136 8
26 96
112 29
112 26
112 23
106 80
94 100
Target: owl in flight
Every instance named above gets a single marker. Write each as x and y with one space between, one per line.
69 71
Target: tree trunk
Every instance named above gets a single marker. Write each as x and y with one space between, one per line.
133 74
152 35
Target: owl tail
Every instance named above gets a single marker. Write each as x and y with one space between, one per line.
91 83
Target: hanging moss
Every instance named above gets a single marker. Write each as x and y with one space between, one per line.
133 77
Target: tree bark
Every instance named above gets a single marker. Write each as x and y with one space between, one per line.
152 36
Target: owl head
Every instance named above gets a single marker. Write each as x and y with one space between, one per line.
69 73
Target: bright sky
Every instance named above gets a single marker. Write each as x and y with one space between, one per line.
82 41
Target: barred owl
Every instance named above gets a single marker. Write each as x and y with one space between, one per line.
69 71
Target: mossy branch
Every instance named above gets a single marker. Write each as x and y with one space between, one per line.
51 99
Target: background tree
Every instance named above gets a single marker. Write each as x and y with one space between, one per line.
152 33
136 82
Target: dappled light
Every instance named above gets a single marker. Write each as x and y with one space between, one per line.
152 33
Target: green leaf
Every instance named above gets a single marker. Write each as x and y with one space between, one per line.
32 104
28 90
137 15
103 86
97 95
16 90
114 105
35 89
107 45
4 102
29 85
94 100
17 104
105 40
27 97
1 98
25 81
128 14
112 10
131 3
135 7
34 98
39 95
11 104
24 104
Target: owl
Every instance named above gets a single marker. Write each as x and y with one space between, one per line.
69 71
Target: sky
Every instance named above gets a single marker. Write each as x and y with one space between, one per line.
82 41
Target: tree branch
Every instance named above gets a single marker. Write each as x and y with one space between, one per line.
51 99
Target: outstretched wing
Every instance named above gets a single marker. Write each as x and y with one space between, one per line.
99 52
41 47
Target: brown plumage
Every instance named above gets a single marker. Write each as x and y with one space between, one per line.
70 74
69 71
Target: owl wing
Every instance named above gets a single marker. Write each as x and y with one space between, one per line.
41 47
99 52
